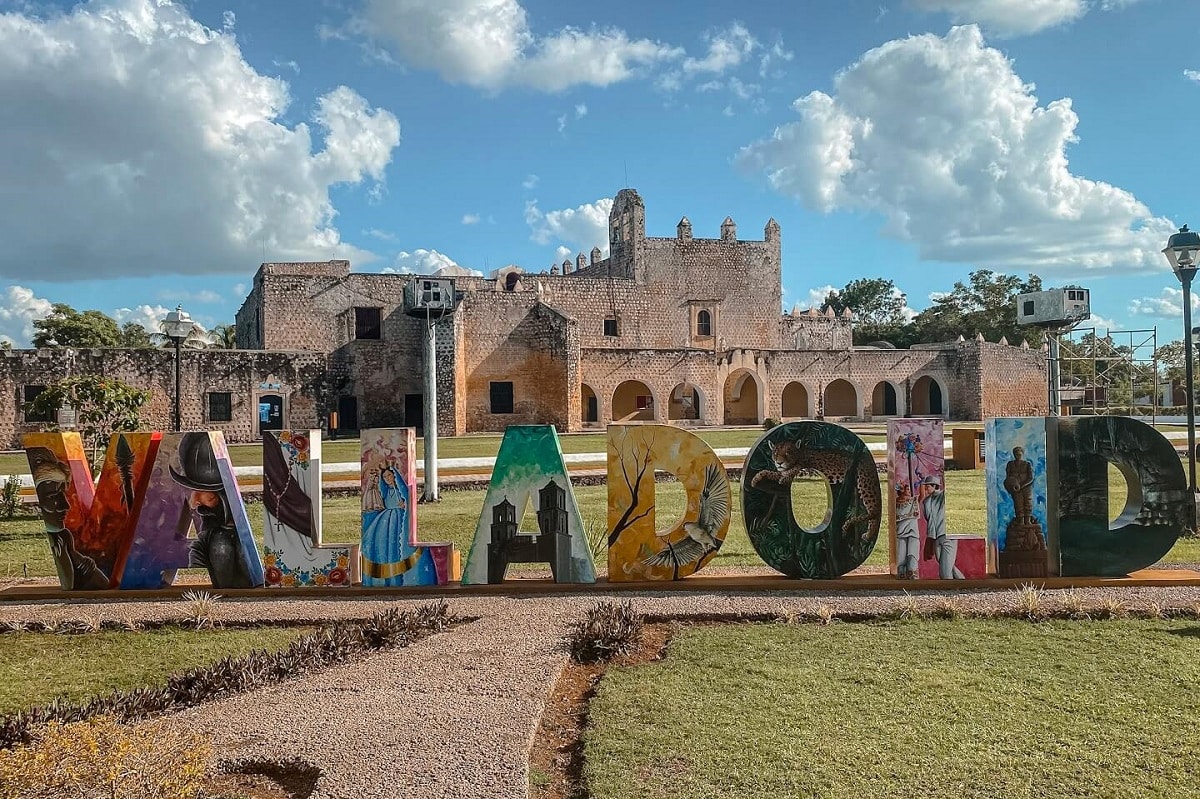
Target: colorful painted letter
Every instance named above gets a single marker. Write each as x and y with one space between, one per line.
295 554
1159 506
636 549
530 463
844 540
391 555
921 549
1020 540
192 481
90 526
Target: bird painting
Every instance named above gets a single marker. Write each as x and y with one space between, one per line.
701 537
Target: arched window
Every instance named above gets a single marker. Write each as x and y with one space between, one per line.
704 324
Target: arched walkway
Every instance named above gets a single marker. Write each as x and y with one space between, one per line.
743 398
884 400
795 402
633 401
589 405
841 399
929 397
685 403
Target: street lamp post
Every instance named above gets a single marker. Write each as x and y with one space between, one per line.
177 326
1183 253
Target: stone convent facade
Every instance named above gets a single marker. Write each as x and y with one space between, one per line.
682 330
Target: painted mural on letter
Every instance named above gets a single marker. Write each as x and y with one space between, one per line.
89 525
294 553
192 486
1158 509
529 467
391 555
637 549
921 546
846 538
1019 539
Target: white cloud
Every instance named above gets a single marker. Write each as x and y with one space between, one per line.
726 49
292 65
1192 74
979 176
157 149
583 227
148 316
816 297
1167 305
562 253
382 235
529 182
470 219
420 262
772 55
18 309
1006 18
228 20
239 290
489 44
581 110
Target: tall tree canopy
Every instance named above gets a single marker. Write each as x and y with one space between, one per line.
66 327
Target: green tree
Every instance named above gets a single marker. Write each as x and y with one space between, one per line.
66 327
1170 362
986 304
878 308
223 337
102 406
134 336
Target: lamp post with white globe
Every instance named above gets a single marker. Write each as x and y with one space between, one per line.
1183 253
177 326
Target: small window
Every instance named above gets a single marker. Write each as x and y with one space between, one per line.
644 402
610 327
368 322
220 406
704 324
502 397
33 417
1027 308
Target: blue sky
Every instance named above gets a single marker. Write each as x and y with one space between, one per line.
157 151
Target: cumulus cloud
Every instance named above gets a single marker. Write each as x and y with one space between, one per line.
421 262
530 182
1192 74
18 309
816 297
1167 305
726 49
944 139
1009 18
580 112
489 44
148 316
157 149
470 219
583 227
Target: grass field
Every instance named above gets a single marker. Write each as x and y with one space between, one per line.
38 667
937 710
24 551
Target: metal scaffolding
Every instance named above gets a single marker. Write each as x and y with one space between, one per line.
1111 374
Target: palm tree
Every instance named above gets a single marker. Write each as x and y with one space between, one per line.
223 337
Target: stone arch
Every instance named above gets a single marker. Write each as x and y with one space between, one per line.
886 399
589 405
743 398
929 397
795 402
633 401
842 399
686 402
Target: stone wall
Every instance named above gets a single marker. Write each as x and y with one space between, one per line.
300 376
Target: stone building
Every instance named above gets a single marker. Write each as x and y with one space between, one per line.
681 329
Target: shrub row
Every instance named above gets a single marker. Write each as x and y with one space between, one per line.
336 643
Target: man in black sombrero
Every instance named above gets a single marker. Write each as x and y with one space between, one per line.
217 546
51 477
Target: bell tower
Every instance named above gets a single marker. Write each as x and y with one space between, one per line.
626 231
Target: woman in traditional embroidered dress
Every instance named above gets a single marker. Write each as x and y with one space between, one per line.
389 557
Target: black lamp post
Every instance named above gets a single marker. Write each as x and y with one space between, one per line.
1183 253
177 326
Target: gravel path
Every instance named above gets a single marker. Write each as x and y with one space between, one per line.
454 714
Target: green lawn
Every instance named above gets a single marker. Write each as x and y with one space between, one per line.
936 710
38 667
22 542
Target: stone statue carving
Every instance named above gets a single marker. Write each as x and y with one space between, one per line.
1024 533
